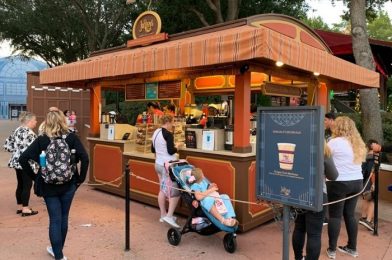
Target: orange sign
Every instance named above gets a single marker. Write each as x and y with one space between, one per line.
148 23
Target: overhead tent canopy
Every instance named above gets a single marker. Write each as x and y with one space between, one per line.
341 45
249 42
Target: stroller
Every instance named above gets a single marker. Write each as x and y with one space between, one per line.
199 221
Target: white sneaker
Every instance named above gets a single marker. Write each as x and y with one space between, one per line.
64 258
161 219
171 221
49 249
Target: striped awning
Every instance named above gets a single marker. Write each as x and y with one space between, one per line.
226 46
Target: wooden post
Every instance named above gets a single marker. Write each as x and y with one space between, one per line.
95 103
242 93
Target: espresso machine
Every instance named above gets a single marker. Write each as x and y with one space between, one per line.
229 128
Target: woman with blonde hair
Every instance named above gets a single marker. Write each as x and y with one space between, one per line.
348 153
58 195
17 143
165 150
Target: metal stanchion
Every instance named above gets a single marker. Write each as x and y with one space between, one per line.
127 213
286 226
377 157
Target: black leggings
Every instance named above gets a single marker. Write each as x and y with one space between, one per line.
339 190
23 189
309 223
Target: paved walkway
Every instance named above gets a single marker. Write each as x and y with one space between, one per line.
96 230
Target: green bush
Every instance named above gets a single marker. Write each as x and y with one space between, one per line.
386 118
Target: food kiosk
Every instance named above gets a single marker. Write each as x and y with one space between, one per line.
274 54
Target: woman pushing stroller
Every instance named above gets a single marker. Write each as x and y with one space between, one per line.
219 206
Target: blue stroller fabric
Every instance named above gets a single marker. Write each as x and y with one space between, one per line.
182 173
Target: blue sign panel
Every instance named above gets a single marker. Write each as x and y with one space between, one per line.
289 156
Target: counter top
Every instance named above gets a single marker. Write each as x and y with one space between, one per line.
221 152
131 151
108 141
140 154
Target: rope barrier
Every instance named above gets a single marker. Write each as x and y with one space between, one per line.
104 182
192 192
259 203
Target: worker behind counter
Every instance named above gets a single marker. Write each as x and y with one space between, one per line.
153 108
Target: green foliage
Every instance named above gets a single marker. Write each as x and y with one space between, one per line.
386 124
316 23
263 100
192 14
61 31
381 27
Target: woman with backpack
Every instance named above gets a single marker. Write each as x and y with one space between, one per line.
59 178
16 144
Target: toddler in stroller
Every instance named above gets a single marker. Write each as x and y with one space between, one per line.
210 212
219 206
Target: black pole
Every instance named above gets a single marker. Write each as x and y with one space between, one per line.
286 239
377 157
127 215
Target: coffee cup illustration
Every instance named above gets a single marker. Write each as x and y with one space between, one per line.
286 155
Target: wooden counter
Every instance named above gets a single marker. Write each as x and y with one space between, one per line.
234 173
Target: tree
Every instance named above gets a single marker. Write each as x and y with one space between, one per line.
191 14
371 117
61 31
317 23
381 27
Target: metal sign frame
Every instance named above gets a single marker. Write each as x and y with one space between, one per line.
290 156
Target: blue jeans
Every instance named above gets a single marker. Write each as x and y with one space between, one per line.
308 224
58 210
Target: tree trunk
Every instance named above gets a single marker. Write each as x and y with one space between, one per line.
370 107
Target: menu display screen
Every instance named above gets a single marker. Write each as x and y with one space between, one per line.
153 90
135 92
169 89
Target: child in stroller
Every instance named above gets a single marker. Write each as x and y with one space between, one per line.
218 205
202 220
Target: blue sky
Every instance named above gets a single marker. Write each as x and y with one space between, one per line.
324 8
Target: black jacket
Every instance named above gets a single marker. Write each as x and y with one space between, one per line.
40 144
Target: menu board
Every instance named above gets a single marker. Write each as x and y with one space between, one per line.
134 91
291 172
169 89
151 90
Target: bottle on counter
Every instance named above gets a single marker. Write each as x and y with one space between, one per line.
203 120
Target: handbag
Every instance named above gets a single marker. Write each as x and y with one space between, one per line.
38 185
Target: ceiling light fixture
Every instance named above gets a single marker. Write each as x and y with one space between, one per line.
279 63
316 73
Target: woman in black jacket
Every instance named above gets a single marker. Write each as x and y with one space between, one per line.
310 223
58 197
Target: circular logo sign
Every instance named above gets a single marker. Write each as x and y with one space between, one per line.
148 23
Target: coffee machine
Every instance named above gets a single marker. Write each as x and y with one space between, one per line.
229 129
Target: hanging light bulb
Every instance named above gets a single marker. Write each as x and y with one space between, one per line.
279 63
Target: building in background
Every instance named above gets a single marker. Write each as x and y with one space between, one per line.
13 79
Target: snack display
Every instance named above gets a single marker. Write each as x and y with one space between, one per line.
143 137
179 132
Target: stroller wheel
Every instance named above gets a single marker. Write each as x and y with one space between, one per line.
230 242
174 236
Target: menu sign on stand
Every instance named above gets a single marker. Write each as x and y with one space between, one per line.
289 156
135 92
169 89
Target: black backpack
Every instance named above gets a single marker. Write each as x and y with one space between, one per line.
58 162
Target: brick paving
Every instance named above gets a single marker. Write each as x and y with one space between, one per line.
96 230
